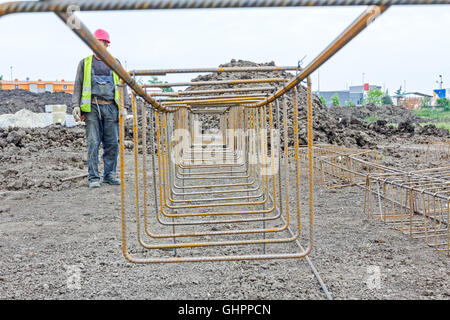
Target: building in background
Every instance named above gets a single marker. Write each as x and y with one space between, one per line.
411 100
440 94
354 93
38 86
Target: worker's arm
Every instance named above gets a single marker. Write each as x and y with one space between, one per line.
78 85
77 92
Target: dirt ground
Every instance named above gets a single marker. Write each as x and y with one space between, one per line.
12 101
46 233
52 231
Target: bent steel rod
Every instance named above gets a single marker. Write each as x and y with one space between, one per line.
215 100
191 234
222 221
209 83
352 31
110 5
195 92
163 72
183 100
188 4
302 253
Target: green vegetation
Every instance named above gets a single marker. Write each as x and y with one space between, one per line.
335 100
443 103
374 96
425 102
387 100
155 80
371 119
440 115
324 102
350 103
433 113
441 125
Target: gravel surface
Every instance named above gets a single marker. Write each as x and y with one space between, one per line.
50 228
46 233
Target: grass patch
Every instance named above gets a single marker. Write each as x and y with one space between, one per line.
440 125
370 119
433 113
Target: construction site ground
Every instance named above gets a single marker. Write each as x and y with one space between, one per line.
48 226
46 231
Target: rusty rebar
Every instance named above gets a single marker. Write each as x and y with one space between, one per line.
104 5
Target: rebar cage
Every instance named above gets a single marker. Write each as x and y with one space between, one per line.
416 203
228 185
221 176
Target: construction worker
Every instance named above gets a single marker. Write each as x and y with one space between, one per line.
95 101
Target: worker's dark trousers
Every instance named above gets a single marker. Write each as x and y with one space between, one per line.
102 126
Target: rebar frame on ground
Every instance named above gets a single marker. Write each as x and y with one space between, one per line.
227 182
438 150
251 190
416 203
244 199
338 167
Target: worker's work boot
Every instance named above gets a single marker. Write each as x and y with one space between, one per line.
94 184
112 181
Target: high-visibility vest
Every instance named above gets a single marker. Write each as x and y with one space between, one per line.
87 86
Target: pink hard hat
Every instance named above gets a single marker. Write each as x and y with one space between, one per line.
101 34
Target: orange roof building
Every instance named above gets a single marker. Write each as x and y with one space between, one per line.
38 86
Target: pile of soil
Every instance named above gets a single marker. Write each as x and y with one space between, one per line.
12 101
408 122
341 126
38 158
389 113
405 129
325 125
41 138
240 75
329 126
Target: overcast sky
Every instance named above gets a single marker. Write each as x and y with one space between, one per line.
407 44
